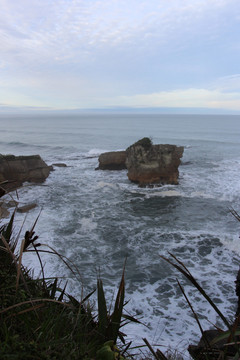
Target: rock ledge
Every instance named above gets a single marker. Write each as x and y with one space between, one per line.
15 170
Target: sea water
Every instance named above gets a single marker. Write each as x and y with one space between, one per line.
98 219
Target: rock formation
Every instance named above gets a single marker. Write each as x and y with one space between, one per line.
212 346
153 164
14 170
114 160
147 164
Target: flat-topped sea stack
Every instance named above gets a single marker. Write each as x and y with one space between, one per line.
149 164
15 170
113 160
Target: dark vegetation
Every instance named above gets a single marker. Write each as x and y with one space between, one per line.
145 142
40 320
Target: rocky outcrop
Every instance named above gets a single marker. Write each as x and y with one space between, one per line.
114 160
15 170
147 164
153 164
213 346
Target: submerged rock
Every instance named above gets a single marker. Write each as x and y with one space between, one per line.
11 203
153 164
26 208
59 165
5 205
15 170
113 160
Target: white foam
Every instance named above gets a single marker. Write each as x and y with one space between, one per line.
87 224
232 243
201 195
96 152
165 193
102 184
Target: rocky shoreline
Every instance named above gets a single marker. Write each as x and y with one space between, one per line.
147 165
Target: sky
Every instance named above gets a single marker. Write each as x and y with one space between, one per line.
80 54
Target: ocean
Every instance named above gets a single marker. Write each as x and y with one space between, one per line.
98 219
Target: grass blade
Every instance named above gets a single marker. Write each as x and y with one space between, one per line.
157 355
223 336
118 309
31 302
88 296
188 275
53 289
131 319
60 298
190 305
234 213
7 233
102 308
19 264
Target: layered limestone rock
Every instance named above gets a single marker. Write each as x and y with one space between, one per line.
153 164
113 160
147 164
15 170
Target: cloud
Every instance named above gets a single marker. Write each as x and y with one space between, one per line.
182 98
69 52
68 93
50 30
228 83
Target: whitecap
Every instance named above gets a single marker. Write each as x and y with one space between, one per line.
102 184
167 193
95 152
87 224
201 194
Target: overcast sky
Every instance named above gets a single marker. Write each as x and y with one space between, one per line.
67 54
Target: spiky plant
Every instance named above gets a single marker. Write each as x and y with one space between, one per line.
39 319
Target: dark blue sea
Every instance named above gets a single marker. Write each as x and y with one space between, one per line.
98 218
